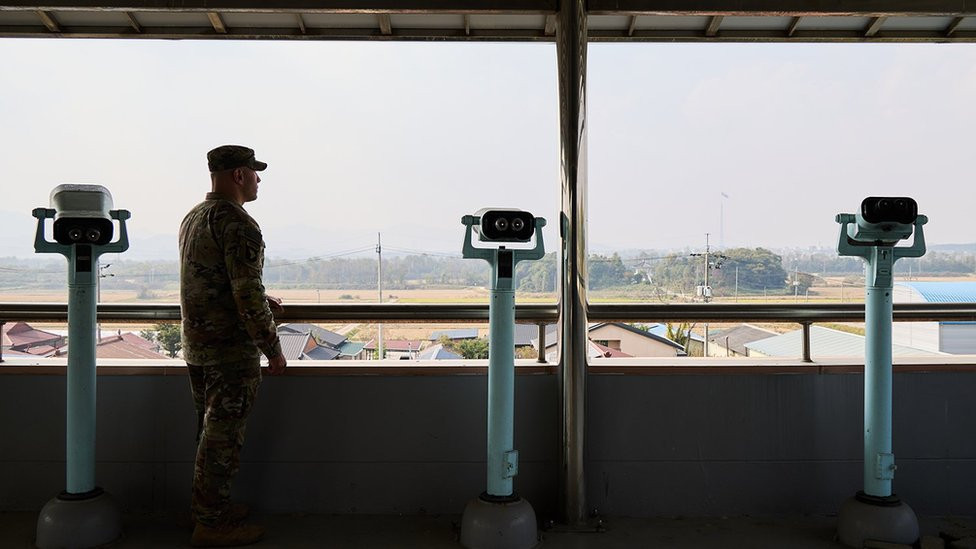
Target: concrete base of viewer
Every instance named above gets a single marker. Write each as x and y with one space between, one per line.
79 520
488 524
864 518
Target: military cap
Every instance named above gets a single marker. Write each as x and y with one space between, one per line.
228 157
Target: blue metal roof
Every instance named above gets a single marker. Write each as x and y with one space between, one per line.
944 292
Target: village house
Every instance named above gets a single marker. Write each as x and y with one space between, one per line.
300 341
397 349
617 339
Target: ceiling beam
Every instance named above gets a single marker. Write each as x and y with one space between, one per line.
217 22
422 34
954 26
292 6
133 21
874 26
782 7
793 24
49 21
713 24
386 26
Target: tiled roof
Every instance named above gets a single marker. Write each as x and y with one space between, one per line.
45 350
21 333
736 338
944 292
115 347
320 334
438 352
321 352
119 347
465 333
824 342
139 341
602 351
293 345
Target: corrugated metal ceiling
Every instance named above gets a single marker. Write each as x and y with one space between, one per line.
609 20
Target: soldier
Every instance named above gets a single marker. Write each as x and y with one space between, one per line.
227 326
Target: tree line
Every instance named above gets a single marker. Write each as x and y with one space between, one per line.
744 269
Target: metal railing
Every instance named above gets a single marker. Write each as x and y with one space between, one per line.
542 314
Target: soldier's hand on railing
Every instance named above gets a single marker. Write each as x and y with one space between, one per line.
276 365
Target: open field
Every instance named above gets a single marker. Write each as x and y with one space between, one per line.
837 289
834 289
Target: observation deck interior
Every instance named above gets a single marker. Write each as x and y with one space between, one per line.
743 452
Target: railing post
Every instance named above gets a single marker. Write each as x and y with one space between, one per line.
806 341
542 344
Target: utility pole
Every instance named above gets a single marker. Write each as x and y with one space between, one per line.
796 282
379 285
98 297
706 290
705 293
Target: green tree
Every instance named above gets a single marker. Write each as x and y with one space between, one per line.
758 268
537 276
678 273
680 333
168 337
470 348
606 272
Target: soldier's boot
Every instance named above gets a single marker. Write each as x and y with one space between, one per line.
227 535
235 514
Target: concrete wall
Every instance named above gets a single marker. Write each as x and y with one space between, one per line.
772 444
656 445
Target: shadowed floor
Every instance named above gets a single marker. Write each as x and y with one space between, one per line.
160 531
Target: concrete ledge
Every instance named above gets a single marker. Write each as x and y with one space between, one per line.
600 366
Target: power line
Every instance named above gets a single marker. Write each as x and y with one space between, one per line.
318 258
421 252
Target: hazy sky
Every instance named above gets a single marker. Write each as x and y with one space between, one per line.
405 138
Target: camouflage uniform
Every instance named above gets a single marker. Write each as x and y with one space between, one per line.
227 325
